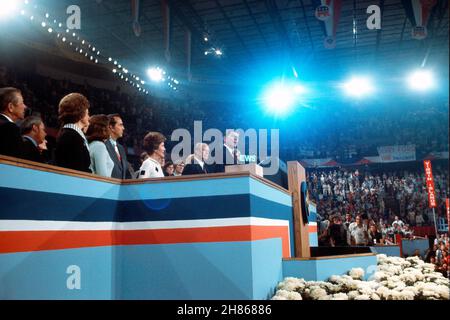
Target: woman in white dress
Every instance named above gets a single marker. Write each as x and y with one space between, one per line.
97 133
154 146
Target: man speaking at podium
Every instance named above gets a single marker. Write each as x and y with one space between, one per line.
230 151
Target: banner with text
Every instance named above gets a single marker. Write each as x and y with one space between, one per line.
430 183
397 153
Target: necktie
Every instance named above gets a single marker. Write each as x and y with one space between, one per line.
118 153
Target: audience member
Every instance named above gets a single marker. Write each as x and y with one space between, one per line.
154 146
116 150
179 167
12 108
34 143
72 150
195 163
168 168
97 134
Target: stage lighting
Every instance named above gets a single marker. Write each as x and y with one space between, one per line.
218 52
358 86
50 30
279 99
299 89
43 24
155 74
421 80
63 39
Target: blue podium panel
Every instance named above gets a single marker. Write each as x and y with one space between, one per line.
89 238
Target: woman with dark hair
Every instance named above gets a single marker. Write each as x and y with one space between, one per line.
154 146
168 168
72 150
97 133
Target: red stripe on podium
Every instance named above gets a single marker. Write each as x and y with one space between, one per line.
25 241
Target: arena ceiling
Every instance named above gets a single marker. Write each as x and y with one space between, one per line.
250 31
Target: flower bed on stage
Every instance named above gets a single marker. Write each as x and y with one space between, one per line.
395 279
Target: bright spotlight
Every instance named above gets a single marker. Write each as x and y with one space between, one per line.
421 80
358 86
279 99
299 89
218 52
155 74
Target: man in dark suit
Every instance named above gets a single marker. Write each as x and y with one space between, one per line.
33 133
12 109
195 164
230 153
116 150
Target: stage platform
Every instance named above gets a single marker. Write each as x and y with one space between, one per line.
71 235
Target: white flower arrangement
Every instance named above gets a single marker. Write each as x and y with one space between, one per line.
395 279
287 295
339 296
356 273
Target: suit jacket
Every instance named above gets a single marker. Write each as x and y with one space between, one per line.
120 170
71 152
194 168
31 152
11 143
226 158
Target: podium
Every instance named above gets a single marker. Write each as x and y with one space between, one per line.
71 235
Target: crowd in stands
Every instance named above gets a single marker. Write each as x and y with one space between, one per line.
438 254
380 196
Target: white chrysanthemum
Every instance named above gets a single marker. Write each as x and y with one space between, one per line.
334 279
294 296
327 297
277 297
381 258
379 276
339 296
411 276
412 259
414 290
403 295
317 292
291 284
429 294
352 295
356 273
362 297
400 286
442 281
374 296
383 292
